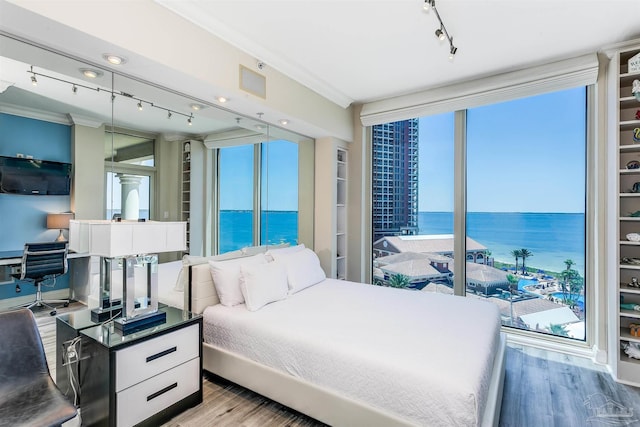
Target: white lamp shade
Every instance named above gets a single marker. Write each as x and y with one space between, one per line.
117 239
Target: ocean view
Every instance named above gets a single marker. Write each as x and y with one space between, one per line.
551 237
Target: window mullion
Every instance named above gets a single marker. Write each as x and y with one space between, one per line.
460 202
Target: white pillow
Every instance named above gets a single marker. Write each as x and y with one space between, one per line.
303 269
262 284
284 250
226 278
187 260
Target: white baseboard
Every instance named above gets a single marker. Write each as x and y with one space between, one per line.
26 299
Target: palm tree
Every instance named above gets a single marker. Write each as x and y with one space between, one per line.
567 275
398 281
569 263
516 254
560 330
524 254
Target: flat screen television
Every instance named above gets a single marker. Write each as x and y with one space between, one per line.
34 177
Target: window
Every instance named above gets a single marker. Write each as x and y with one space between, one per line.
236 197
130 173
277 220
526 198
279 211
525 195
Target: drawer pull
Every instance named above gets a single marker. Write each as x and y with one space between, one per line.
162 353
163 391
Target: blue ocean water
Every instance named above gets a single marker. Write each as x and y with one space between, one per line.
236 228
551 237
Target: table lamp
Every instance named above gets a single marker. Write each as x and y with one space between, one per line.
59 221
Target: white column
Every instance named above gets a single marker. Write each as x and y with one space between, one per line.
130 197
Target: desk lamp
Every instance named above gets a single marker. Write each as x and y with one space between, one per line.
59 221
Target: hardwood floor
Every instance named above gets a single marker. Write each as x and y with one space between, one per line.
542 388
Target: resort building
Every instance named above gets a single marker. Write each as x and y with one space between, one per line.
441 244
395 178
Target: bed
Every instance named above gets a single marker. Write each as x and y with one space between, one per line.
346 354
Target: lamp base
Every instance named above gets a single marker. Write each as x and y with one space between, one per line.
128 326
61 237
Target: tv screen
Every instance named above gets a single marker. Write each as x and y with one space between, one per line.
34 177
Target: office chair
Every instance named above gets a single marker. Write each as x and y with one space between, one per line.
28 395
40 262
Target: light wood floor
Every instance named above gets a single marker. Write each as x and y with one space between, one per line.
542 388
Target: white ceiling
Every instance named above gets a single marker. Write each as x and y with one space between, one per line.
360 51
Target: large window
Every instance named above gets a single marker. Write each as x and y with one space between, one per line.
269 204
236 197
525 197
130 173
279 211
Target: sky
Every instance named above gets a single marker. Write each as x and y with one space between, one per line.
525 155
279 180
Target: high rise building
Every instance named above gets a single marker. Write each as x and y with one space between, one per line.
395 178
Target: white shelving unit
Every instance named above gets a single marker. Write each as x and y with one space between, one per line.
331 207
185 202
627 369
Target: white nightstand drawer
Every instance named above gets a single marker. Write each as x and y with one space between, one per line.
143 400
141 361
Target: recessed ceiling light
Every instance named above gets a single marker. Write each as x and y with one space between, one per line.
197 107
284 122
260 127
90 73
114 59
222 99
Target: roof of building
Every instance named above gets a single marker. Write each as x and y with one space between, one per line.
414 269
408 256
425 243
543 319
438 288
524 307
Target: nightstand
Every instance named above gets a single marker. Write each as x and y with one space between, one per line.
143 378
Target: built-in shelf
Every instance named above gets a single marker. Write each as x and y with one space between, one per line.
626 369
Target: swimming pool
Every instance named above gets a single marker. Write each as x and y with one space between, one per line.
578 298
526 282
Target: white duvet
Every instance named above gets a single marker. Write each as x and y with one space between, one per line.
421 356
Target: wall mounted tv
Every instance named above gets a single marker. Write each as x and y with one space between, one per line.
34 177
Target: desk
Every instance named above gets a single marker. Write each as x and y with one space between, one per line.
78 274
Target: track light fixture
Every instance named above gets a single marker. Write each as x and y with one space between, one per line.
34 81
441 33
112 93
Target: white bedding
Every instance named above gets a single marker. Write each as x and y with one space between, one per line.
424 357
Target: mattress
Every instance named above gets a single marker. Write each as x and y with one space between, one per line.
424 357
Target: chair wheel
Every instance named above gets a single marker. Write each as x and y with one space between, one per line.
52 312
66 304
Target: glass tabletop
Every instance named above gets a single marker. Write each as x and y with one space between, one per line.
109 336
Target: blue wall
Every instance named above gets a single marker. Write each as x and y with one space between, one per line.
23 218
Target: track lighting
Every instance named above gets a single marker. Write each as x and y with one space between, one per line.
441 33
428 4
140 102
